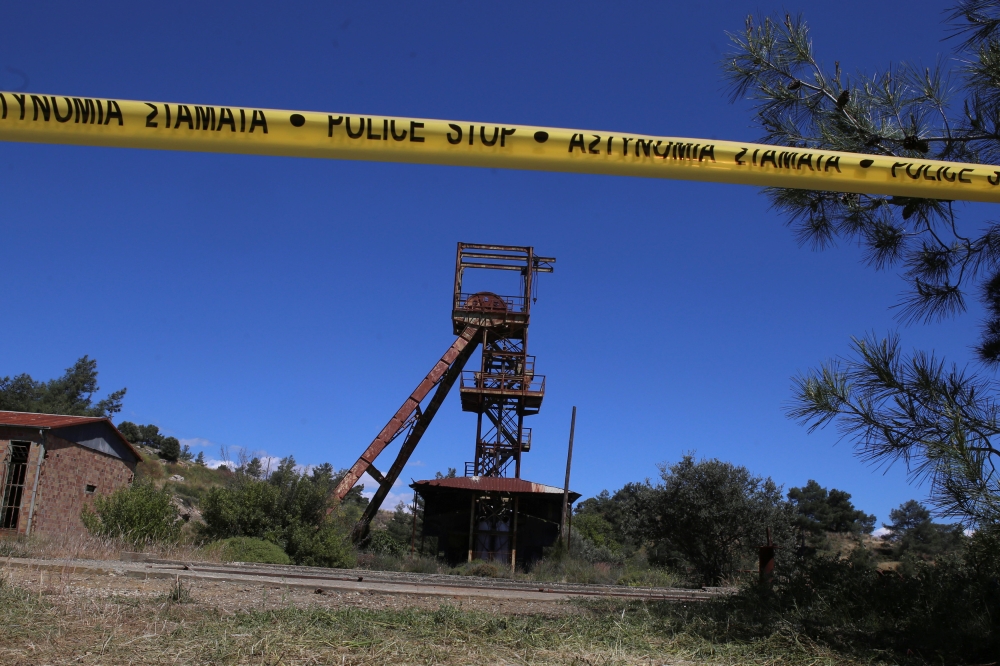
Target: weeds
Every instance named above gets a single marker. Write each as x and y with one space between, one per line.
179 592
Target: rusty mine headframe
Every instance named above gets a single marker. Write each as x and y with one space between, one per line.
476 516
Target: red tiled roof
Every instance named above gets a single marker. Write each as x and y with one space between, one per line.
53 421
492 484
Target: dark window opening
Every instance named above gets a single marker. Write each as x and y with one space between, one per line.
15 471
91 489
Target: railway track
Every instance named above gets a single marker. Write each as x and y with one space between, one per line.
323 580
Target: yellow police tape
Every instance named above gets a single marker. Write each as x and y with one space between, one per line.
227 129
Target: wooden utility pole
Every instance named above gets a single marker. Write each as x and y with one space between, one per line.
563 533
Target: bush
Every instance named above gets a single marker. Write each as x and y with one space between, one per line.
137 514
383 543
246 549
944 612
170 449
326 546
711 516
289 508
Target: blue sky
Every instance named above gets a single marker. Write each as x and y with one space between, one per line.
289 306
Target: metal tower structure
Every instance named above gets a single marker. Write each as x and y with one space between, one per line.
501 393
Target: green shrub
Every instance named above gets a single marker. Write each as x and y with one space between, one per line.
482 569
384 543
137 514
247 549
945 612
326 546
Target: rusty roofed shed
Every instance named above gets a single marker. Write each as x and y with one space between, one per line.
52 465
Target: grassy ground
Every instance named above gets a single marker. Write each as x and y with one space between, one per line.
175 627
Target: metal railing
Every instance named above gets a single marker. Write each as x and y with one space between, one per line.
515 304
473 379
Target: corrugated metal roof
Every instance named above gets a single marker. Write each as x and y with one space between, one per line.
56 421
493 484
45 420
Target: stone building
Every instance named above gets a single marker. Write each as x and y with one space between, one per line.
51 466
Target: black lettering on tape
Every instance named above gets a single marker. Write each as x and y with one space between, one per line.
458 134
167 107
658 153
414 126
610 139
69 110
43 104
84 110
644 145
392 131
260 122
916 175
739 155
330 123
962 178
184 116
226 118
897 165
354 135
768 156
806 159
472 133
375 137
100 112
945 175
577 142
832 161
590 148
624 144
204 117
928 176
20 100
482 136
243 120
756 150
708 151
3 104
114 111
385 129
149 118
504 133
992 182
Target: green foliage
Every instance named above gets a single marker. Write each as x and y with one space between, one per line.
170 449
940 422
247 549
137 514
71 394
818 510
937 613
200 460
400 526
288 508
913 535
595 528
711 516
384 543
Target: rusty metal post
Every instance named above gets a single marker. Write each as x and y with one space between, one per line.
472 523
563 532
513 540
765 562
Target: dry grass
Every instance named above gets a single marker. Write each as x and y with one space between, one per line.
45 622
87 547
